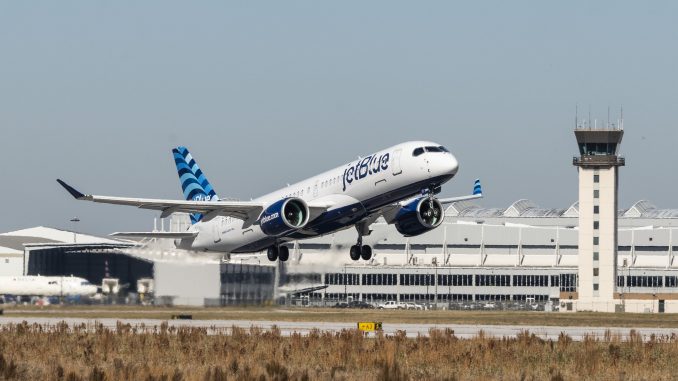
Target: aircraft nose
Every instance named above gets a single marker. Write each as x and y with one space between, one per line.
451 165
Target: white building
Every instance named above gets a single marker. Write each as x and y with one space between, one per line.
502 254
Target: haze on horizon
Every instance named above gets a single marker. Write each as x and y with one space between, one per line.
268 93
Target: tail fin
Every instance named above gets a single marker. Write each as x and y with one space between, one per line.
477 189
193 182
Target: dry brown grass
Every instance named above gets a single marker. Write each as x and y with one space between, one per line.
34 352
352 315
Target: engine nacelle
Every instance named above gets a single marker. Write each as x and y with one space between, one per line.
419 216
284 216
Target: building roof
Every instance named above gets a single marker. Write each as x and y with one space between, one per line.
8 250
41 235
572 211
528 209
18 242
45 235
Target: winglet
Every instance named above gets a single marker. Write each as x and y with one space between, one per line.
477 189
74 192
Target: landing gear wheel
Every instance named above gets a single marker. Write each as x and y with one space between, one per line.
366 252
272 253
355 252
283 253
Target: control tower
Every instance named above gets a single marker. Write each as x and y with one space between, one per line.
598 164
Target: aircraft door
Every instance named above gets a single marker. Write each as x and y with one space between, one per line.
395 162
315 189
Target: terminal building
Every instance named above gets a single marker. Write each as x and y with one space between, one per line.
514 254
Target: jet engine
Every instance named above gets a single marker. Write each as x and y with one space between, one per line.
284 216
419 216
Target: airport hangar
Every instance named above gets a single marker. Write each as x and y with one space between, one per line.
520 253
134 272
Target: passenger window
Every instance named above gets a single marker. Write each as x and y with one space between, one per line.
418 151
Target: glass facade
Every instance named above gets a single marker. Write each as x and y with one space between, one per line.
244 284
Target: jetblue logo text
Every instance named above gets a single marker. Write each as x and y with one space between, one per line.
204 197
367 166
270 217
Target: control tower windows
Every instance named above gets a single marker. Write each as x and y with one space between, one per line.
591 149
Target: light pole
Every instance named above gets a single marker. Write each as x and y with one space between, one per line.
73 221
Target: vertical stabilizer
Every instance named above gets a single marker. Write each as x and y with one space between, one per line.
194 184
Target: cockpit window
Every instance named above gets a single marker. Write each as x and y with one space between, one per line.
444 149
433 149
85 283
418 151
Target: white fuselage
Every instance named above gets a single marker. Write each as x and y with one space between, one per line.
353 191
36 285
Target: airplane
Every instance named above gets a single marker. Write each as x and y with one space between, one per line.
398 183
36 285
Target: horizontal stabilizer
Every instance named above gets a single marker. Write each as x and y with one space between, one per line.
168 235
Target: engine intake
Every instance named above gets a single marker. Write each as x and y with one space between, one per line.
419 216
284 216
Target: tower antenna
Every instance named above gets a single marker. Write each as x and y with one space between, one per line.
621 115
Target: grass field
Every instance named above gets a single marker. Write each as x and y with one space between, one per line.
353 315
34 352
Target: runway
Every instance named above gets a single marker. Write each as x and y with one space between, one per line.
411 330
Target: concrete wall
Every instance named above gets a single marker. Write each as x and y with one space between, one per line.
187 283
11 264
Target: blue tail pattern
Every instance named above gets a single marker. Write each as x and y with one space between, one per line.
193 182
477 189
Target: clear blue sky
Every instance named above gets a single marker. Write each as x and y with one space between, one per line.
265 93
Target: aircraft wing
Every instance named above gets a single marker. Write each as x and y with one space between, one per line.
461 198
477 193
243 210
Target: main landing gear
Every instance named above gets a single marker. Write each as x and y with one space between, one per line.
359 250
278 252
